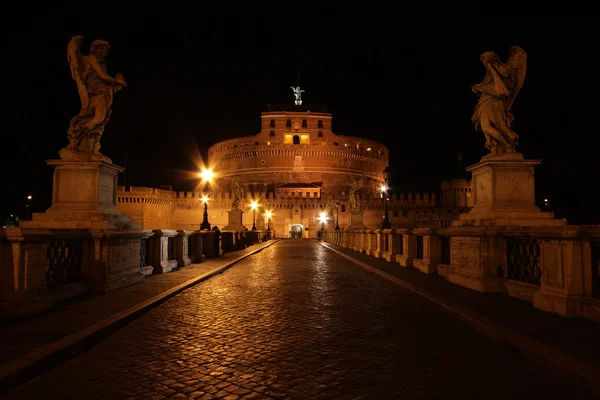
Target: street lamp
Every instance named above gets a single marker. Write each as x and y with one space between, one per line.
337 215
322 220
386 222
268 214
205 224
207 177
254 206
28 206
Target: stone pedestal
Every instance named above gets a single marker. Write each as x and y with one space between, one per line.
356 219
504 194
83 197
235 220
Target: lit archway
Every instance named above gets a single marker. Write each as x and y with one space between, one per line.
296 231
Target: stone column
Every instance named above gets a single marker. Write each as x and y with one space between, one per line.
182 248
409 248
431 251
161 260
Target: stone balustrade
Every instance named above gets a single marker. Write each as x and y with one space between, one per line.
41 267
556 268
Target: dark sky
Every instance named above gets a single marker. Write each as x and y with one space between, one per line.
403 81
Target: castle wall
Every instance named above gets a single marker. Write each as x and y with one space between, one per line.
456 193
161 209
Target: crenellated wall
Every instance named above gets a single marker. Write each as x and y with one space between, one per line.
457 193
162 209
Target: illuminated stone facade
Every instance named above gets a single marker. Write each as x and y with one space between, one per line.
296 167
297 146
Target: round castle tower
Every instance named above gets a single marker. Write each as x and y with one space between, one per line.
296 150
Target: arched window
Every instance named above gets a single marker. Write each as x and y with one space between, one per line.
343 208
296 139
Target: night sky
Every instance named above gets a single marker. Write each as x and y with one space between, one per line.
405 81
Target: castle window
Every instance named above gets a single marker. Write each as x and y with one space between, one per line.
304 124
405 213
320 134
272 124
296 139
287 139
343 208
272 133
268 143
368 149
345 144
348 163
288 123
262 161
304 139
336 144
320 124
395 213
379 152
256 143
357 146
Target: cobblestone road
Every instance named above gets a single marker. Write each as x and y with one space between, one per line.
298 321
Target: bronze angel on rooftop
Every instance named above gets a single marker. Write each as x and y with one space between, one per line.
96 90
497 93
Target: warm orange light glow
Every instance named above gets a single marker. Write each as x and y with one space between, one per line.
29 197
254 205
207 175
268 214
384 188
323 217
204 198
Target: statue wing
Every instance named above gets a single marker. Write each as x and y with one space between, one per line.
293 88
76 64
517 66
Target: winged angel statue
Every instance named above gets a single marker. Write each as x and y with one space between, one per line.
298 93
497 93
96 90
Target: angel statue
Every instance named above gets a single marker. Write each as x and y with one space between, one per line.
298 94
355 186
96 90
236 188
497 93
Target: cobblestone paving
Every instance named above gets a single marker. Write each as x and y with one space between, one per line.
296 321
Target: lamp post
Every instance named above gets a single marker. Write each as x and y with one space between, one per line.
207 176
28 206
386 222
205 224
268 214
254 206
337 215
322 220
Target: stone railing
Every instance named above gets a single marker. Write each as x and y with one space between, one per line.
41 267
555 268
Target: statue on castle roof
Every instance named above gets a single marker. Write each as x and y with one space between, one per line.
497 93
298 94
96 90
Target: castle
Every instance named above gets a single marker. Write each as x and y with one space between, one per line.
296 168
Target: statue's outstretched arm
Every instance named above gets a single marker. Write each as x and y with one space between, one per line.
103 74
